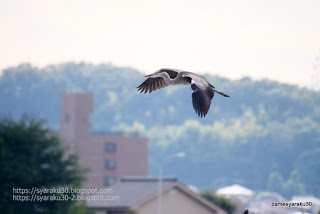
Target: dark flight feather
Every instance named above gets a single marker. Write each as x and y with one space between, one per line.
201 100
151 84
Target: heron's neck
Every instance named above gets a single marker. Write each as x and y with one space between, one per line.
167 78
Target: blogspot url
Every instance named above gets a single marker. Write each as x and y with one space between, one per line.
35 194
63 197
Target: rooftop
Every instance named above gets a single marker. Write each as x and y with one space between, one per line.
131 190
134 192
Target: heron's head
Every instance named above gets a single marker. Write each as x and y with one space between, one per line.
154 75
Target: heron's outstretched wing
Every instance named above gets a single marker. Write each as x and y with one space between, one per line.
152 84
201 99
202 94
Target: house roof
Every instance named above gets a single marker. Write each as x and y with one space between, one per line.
130 190
134 192
235 190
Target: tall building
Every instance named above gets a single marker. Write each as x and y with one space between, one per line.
108 157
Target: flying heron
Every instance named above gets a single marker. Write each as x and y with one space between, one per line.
202 94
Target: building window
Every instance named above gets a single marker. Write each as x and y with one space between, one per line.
110 164
110 147
109 181
67 118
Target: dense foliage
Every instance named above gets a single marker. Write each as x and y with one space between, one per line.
220 201
31 156
265 133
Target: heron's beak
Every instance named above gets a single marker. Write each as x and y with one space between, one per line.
150 75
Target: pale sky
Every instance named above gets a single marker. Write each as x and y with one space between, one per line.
275 39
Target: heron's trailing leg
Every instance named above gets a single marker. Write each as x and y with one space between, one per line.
221 93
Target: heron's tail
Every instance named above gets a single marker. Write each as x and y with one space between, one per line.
221 93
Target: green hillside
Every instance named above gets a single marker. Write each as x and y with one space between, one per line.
265 137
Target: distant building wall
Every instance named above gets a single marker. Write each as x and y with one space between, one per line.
107 157
74 116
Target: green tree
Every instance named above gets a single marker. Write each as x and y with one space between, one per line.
32 156
220 201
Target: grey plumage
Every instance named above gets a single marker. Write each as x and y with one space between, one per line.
202 94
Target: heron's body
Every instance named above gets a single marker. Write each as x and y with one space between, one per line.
202 94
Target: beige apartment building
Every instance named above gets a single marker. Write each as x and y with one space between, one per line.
108 157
